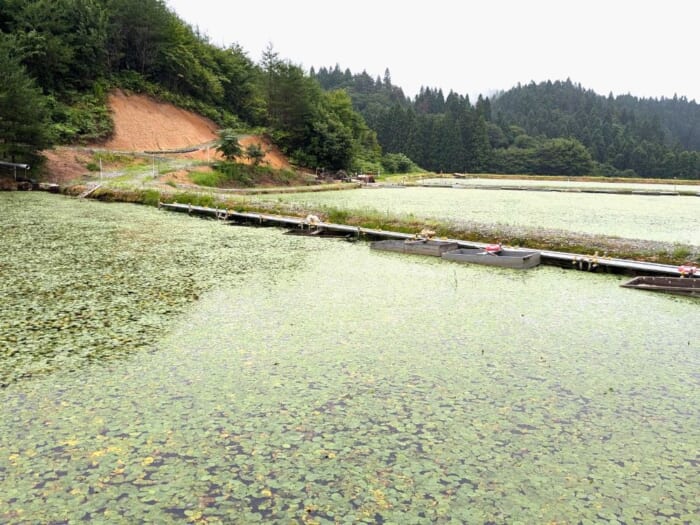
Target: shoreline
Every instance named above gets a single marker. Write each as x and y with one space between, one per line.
540 239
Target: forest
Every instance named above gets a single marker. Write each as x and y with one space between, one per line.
547 128
60 59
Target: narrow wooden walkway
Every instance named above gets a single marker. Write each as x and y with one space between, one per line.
561 259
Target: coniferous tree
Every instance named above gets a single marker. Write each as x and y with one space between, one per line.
23 111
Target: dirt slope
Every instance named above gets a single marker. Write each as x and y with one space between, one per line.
273 156
142 124
65 164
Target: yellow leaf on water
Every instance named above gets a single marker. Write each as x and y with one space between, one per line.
380 499
147 461
193 515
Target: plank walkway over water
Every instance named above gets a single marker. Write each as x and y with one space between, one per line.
562 259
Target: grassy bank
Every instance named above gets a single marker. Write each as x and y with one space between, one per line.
541 239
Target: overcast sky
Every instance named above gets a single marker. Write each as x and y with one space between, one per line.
648 48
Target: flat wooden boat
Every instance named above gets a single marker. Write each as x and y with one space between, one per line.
415 247
320 233
674 285
518 259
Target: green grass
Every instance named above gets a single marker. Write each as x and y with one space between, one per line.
234 175
115 158
209 179
682 253
195 199
407 223
151 197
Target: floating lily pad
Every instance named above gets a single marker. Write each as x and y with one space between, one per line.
315 381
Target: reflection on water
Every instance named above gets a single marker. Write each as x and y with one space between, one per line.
329 383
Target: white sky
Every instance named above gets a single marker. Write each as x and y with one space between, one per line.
648 48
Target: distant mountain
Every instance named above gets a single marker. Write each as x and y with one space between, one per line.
513 132
653 138
555 109
61 58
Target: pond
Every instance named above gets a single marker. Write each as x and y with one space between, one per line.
570 184
285 379
673 219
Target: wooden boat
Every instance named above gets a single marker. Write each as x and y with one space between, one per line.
674 285
320 232
415 246
518 259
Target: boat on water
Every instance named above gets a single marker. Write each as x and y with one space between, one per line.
415 246
494 255
674 285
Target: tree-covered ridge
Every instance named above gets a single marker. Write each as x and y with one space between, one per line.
547 128
74 51
61 57
420 131
554 108
647 137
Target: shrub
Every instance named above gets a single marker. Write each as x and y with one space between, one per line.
80 118
195 199
211 179
150 197
398 163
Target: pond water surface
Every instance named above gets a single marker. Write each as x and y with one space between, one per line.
314 381
673 219
570 184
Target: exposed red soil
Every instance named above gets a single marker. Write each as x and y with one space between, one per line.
142 123
65 164
273 156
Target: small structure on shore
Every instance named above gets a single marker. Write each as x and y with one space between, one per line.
19 181
366 178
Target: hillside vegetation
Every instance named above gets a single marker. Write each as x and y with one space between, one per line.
62 58
547 128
